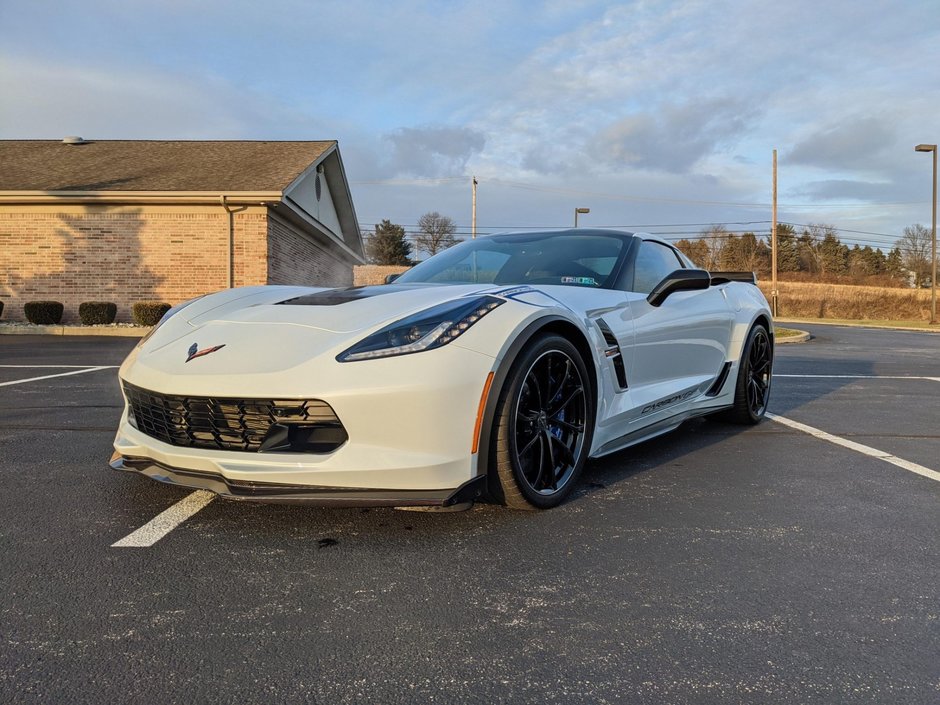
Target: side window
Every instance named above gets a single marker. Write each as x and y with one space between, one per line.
653 262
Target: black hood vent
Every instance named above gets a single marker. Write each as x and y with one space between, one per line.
335 297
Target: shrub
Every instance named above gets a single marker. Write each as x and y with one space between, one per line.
149 313
43 313
97 312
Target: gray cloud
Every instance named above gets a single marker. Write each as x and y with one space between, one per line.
904 187
860 143
676 137
832 189
118 103
434 151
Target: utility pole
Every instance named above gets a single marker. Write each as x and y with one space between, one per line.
473 212
773 245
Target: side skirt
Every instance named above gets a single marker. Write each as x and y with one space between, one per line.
657 429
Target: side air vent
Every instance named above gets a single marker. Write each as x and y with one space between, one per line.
613 352
719 382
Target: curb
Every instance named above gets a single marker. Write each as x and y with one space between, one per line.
860 324
98 331
791 339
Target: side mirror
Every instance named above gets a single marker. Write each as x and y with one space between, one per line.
392 277
679 280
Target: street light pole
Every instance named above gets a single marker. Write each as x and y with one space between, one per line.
473 213
773 244
933 231
579 210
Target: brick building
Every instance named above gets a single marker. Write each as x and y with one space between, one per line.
126 221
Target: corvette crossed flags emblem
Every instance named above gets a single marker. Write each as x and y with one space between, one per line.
195 352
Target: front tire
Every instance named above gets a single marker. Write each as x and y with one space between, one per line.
752 390
544 424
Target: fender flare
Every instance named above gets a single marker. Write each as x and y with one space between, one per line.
487 441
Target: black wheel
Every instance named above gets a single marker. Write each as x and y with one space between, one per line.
752 391
544 424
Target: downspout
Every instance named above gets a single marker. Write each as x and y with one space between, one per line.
230 270
231 238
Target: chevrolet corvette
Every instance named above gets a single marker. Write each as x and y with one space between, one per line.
494 369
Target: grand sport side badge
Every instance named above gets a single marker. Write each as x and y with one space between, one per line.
195 352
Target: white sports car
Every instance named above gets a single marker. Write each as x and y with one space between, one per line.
495 368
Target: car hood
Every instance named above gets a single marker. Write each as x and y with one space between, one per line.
266 331
345 310
329 315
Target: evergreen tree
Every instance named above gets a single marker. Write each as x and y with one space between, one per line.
388 245
894 264
833 255
788 258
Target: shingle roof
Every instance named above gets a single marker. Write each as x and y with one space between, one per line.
151 165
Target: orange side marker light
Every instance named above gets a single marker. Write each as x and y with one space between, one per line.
479 424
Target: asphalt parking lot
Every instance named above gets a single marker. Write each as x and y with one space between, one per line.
793 562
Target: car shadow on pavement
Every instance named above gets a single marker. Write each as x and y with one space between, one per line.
666 460
697 435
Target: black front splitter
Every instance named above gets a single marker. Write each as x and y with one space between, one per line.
298 494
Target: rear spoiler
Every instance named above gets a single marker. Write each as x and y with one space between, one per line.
725 277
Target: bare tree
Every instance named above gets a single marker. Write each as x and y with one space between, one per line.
696 250
716 238
435 233
915 246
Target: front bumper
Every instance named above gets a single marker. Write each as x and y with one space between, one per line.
410 423
298 494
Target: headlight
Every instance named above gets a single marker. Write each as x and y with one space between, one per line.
426 330
166 316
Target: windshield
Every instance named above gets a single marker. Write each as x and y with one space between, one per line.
542 258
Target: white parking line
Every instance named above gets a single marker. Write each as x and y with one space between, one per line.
858 447
933 379
61 374
166 521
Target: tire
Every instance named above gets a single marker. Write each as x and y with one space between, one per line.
541 445
755 374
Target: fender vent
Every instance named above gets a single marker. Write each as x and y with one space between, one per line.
719 382
613 352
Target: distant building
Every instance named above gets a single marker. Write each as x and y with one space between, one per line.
126 221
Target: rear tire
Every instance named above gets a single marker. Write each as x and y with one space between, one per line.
755 374
544 424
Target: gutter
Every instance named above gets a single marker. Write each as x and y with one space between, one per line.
239 198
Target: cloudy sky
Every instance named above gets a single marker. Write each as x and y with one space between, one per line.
656 115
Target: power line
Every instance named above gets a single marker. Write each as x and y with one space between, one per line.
843 230
634 225
408 182
874 239
623 197
886 240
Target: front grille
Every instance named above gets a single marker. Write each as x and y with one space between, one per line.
250 425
